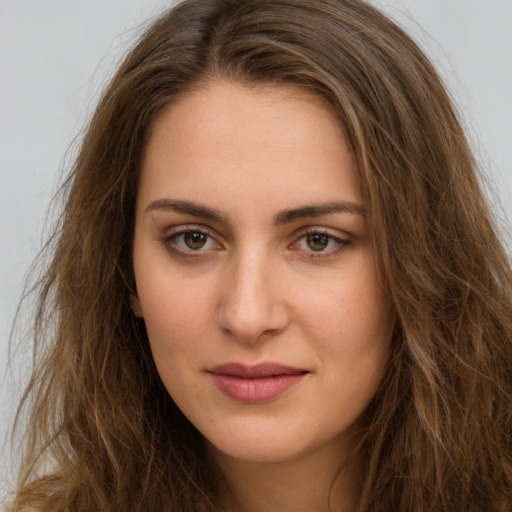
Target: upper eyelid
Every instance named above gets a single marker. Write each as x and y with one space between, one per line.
181 228
342 238
186 228
324 230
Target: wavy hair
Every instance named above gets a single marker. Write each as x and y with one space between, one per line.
103 433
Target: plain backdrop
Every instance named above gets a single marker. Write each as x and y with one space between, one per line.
55 56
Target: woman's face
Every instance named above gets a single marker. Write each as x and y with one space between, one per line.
255 272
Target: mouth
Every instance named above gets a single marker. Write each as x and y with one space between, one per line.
255 384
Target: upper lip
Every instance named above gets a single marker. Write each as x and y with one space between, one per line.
255 371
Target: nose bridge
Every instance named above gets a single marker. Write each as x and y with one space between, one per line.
251 303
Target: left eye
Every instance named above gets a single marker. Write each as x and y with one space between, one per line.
318 242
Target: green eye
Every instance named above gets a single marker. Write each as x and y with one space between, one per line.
195 240
317 241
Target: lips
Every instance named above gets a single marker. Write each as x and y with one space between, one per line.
255 384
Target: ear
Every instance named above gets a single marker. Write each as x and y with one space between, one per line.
136 305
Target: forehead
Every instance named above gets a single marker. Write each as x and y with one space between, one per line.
273 139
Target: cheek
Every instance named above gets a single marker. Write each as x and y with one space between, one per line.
351 329
353 313
176 315
173 327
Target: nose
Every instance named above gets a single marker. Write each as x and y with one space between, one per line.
252 301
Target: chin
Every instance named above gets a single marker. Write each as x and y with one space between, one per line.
266 452
270 446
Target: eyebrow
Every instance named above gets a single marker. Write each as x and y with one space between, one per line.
187 208
283 217
314 210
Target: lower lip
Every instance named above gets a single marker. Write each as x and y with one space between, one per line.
256 390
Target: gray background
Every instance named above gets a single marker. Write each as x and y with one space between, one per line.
55 56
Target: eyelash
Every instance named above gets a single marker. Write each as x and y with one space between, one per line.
341 243
169 242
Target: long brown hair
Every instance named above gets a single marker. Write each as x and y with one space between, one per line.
103 433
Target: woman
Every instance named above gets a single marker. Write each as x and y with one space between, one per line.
276 284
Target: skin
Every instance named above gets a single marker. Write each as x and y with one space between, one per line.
256 283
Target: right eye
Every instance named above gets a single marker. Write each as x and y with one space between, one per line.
190 241
193 240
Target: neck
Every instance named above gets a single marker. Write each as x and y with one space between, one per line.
323 481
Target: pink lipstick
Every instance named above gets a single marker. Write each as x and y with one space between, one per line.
254 384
